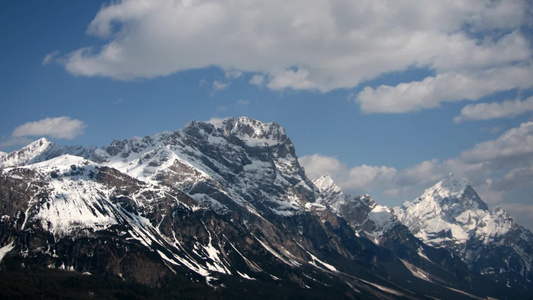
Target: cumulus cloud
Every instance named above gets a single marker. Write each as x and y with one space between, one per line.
514 146
448 87
487 111
61 128
361 178
307 44
317 165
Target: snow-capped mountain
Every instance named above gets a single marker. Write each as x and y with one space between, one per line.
40 150
380 224
451 215
245 161
221 208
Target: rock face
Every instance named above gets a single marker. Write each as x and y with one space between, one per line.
222 207
452 216
363 214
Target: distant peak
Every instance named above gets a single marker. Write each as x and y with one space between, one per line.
326 183
41 141
451 189
28 154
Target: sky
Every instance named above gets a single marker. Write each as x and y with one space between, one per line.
386 96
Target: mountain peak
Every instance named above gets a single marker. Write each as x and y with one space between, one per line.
253 132
27 154
41 143
453 185
453 190
326 183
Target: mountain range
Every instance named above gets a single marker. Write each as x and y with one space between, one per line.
223 209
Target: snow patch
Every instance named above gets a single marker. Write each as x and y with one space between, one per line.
4 250
326 265
245 276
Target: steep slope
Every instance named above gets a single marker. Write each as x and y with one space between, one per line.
451 215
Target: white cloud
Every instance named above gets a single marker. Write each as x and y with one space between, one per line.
487 111
317 165
448 87
219 85
514 146
50 57
295 79
61 128
360 179
232 74
257 80
242 102
303 44
216 121
514 179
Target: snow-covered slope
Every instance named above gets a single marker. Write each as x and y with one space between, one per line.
451 215
41 150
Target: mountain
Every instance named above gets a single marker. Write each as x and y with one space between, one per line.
451 215
381 225
363 214
40 150
213 210
237 161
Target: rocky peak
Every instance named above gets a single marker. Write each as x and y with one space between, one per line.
37 147
326 184
331 194
362 213
452 195
27 154
253 132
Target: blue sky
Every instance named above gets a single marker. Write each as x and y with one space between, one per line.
388 97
